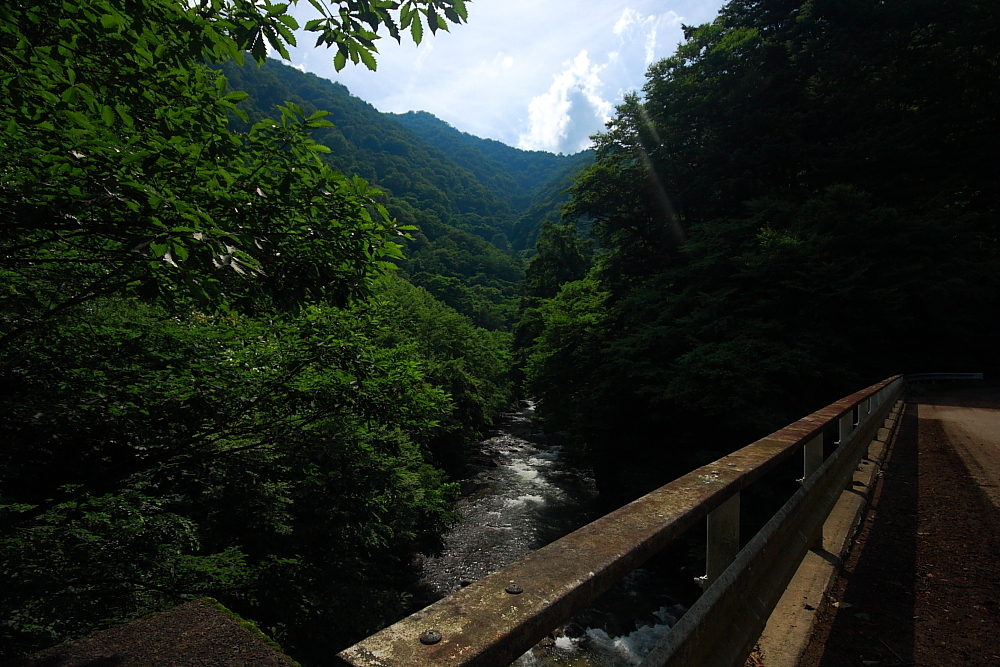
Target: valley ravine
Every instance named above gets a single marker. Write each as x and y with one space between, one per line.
520 494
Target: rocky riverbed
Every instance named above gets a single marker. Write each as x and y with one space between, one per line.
519 494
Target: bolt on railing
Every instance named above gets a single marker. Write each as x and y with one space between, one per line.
491 622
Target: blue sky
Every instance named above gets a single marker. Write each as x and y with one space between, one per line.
536 74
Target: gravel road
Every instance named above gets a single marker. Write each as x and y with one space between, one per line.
922 585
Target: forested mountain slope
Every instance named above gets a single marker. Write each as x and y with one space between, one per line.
547 204
513 174
467 196
534 183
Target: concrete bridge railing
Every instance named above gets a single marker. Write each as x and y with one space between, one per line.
493 621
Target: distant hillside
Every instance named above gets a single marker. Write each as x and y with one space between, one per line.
531 182
461 251
373 145
512 173
546 203
475 201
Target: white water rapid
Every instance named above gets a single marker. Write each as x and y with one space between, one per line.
522 495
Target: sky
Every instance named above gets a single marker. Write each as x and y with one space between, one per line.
535 74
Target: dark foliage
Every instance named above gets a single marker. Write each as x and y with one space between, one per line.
803 202
208 385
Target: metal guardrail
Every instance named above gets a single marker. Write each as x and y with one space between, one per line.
493 621
917 377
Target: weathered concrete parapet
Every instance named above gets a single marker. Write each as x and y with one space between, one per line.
790 625
493 621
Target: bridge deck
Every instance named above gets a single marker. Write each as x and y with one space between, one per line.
922 586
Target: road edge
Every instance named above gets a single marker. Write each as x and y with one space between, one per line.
790 626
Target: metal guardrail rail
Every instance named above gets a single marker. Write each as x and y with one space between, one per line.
493 621
918 377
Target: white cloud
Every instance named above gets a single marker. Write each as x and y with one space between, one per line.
632 27
572 105
650 44
628 17
580 99
423 54
512 73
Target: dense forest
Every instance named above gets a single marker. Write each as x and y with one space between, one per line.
803 200
249 325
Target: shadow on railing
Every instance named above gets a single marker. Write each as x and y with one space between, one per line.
495 620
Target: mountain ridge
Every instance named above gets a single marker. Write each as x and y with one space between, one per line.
467 196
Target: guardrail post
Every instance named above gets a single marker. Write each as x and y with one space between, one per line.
845 426
723 538
812 459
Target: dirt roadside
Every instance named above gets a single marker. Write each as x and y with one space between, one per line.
194 634
922 585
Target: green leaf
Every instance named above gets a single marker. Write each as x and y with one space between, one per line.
257 49
286 34
79 119
367 58
276 43
180 251
112 22
416 29
124 115
135 157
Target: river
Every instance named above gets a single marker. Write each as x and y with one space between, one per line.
521 494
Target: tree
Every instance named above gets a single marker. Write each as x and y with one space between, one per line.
470 363
564 359
192 402
149 458
120 175
119 170
562 257
795 207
